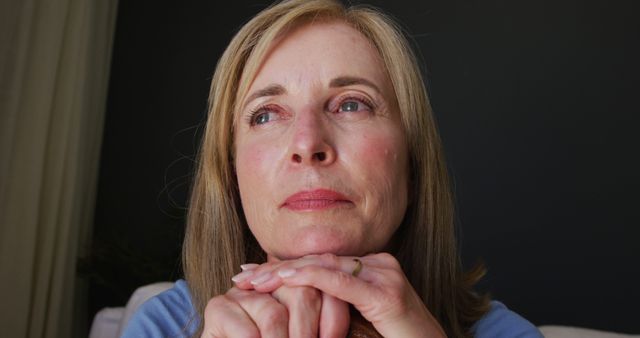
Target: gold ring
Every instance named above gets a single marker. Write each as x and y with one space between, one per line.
357 269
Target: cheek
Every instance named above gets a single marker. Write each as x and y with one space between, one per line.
255 163
253 173
250 158
380 158
249 163
381 169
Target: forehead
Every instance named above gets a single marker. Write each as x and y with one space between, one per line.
318 52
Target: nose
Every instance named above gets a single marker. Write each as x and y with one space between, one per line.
312 142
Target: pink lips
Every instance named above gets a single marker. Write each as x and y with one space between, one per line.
315 200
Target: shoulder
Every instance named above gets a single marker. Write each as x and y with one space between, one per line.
169 314
500 322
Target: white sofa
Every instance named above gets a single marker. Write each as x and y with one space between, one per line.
110 322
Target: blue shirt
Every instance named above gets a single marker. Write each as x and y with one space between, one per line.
171 314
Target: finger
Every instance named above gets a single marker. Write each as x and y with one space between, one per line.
339 284
269 315
264 279
267 280
382 260
304 305
224 317
249 266
255 274
357 270
334 317
348 263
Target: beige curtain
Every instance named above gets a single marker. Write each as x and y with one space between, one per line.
54 69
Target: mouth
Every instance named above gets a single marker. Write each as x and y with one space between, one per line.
313 200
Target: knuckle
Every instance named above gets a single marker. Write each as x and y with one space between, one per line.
341 280
234 292
395 285
396 278
216 313
308 297
274 316
329 259
307 293
250 333
389 259
215 304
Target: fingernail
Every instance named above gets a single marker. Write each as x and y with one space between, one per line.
285 273
249 266
242 276
261 279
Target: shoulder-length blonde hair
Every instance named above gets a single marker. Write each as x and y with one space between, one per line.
217 238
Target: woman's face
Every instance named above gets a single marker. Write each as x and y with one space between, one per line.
321 157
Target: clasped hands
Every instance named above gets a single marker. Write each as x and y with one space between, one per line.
310 297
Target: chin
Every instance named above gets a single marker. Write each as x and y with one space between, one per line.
321 240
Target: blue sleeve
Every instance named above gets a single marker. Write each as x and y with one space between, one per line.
500 322
169 314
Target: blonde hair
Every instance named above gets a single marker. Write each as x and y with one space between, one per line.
217 238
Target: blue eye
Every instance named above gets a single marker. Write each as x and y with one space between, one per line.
263 118
349 106
263 115
354 105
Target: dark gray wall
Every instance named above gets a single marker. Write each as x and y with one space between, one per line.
536 105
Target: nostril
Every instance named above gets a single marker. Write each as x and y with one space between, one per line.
297 158
321 156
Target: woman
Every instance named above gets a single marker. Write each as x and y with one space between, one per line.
321 165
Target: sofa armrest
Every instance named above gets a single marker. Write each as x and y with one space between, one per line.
106 323
554 331
111 321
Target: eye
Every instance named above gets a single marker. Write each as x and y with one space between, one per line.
350 106
263 115
263 118
354 104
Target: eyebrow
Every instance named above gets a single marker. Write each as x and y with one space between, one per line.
341 81
270 90
344 81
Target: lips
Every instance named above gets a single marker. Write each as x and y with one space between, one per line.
315 200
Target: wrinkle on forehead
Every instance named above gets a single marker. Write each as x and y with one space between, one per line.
341 29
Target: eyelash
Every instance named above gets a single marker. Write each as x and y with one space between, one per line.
370 105
269 107
258 110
